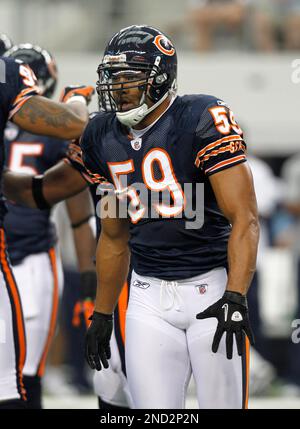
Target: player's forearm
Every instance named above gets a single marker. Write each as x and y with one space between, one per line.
112 269
242 252
80 210
85 246
42 116
17 187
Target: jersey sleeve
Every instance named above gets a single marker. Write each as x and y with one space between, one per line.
22 86
219 139
74 158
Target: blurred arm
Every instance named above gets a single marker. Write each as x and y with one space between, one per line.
40 115
59 182
80 210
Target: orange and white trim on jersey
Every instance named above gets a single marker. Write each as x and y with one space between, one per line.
226 163
17 314
215 144
227 148
55 299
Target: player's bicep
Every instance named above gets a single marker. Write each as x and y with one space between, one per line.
234 191
62 181
40 115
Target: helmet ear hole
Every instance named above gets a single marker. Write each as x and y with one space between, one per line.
161 78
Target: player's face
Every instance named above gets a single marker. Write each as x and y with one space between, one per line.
128 89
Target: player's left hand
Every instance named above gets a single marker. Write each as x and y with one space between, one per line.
84 91
97 348
86 303
233 318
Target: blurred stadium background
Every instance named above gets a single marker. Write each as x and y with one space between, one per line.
245 52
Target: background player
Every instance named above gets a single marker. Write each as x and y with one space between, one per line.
63 180
150 137
5 43
30 234
22 104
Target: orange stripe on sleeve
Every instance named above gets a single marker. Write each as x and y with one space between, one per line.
234 137
225 163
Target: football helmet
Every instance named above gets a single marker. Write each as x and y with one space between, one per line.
5 43
140 57
41 62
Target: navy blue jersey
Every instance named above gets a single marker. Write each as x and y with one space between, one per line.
195 138
17 85
29 231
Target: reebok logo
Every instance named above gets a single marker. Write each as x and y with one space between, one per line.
140 284
236 317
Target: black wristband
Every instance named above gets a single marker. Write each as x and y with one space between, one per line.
236 297
96 315
81 222
37 193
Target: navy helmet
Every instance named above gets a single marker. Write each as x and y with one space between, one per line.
147 60
5 43
41 62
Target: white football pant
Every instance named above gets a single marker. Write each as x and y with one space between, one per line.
165 344
40 281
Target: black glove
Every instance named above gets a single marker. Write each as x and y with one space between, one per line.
97 348
232 314
73 90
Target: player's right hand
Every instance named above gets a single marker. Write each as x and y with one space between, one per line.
97 348
77 90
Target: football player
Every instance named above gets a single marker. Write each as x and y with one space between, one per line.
22 103
30 235
67 178
187 311
5 43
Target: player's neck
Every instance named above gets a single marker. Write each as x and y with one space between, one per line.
154 115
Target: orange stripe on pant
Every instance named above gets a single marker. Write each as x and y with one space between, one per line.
246 371
122 306
17 313
42 365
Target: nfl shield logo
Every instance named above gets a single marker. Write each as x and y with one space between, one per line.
136 144
202 289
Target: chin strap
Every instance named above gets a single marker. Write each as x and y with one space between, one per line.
134 116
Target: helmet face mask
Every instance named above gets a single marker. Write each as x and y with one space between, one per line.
134 65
